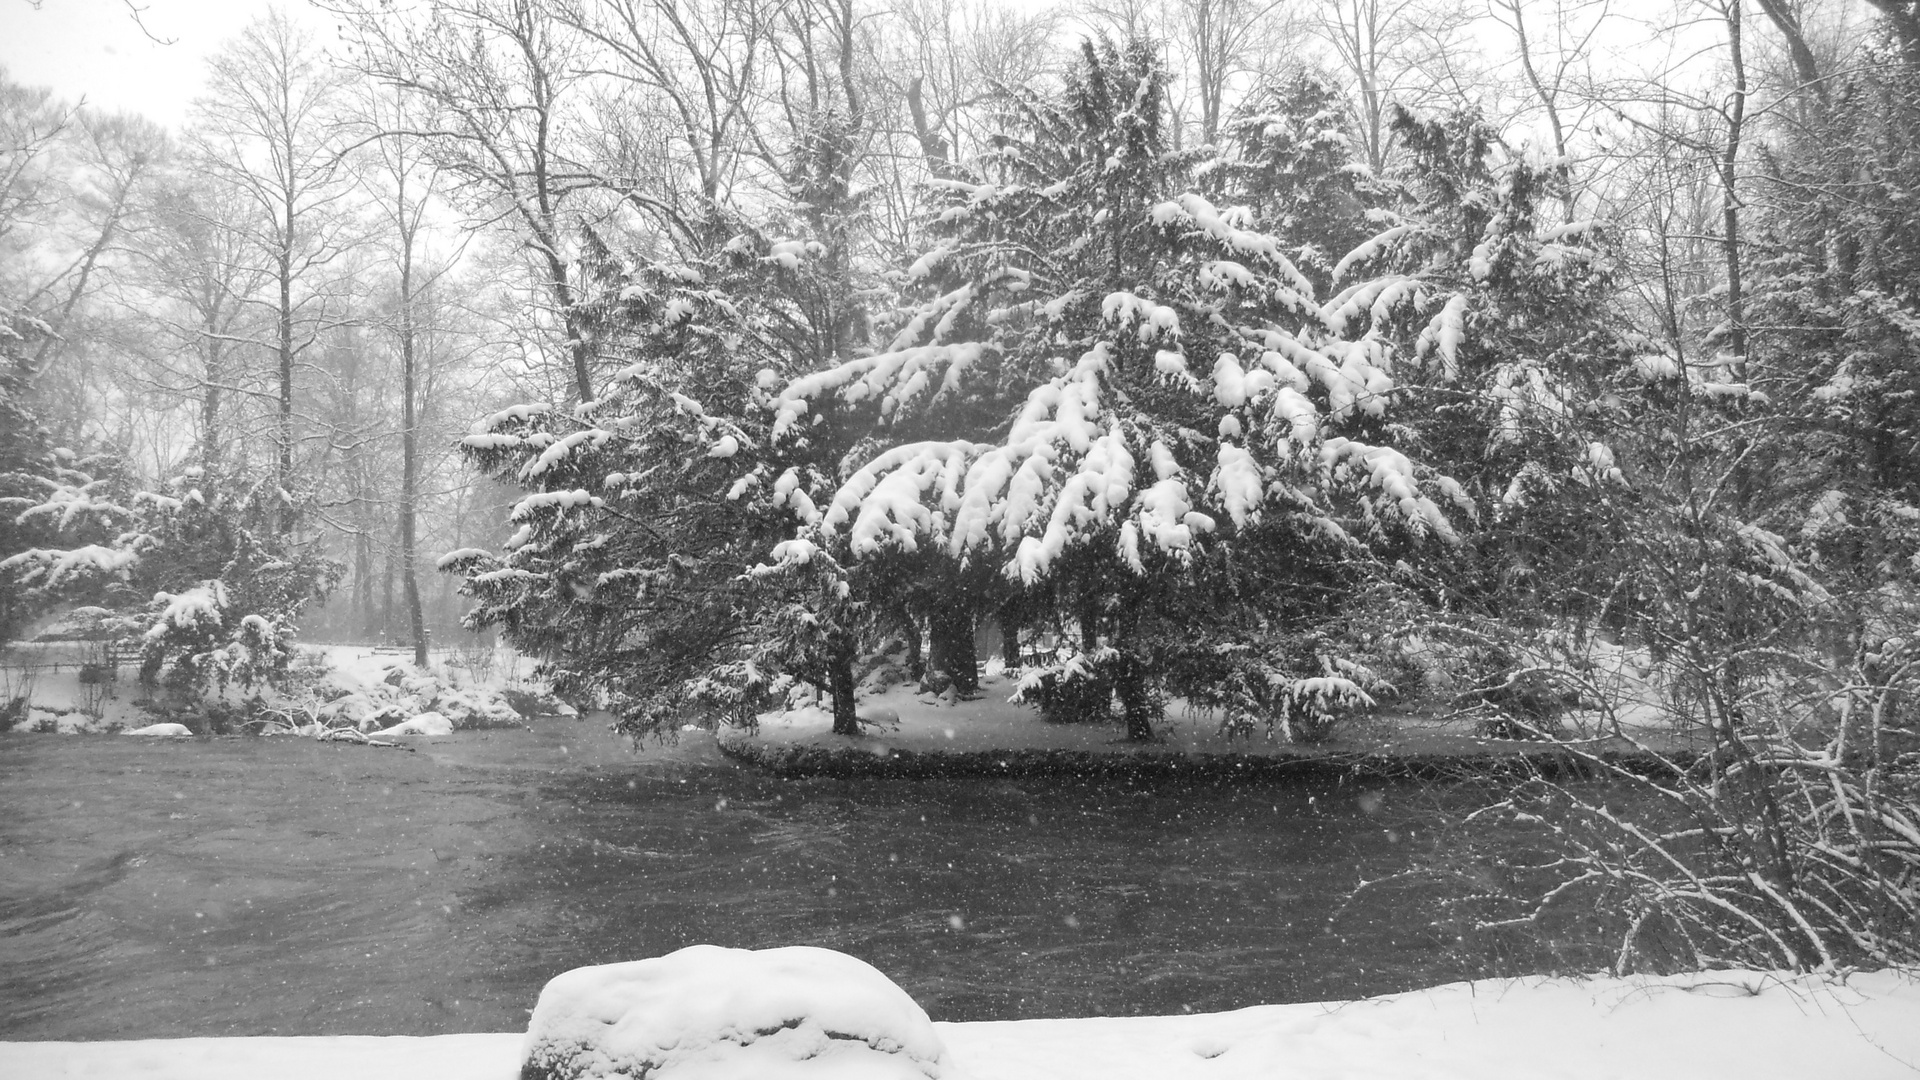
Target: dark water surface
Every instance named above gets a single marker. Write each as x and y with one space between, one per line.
283 886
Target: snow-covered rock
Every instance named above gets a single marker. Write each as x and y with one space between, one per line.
163 731
431 723
368 697
476 708
357 709
709 1013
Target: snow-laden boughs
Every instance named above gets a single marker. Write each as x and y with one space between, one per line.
30 465
196 577
1295 164
1109 373
627 565
1516 375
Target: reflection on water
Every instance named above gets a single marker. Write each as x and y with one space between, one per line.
252 886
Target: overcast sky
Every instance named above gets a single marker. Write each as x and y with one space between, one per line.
94 48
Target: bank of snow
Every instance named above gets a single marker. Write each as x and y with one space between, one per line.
1751 1025
66 687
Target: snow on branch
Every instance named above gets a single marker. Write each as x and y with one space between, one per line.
1391 472
1373 248
1155 320
886 498
466 554
1445 332
1240 482
561 449
935 320
514 414
896 377
201 607
552 500
1225 228
1377 298
1555 233
45 568
71 504
787 253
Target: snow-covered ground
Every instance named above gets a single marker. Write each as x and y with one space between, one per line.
902 719
1721 1024
343 685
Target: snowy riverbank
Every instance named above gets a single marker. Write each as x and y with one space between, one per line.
907 733
1750 1025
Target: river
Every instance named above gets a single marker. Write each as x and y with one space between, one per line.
253 886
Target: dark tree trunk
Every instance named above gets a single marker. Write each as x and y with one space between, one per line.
283 428
1010 638
840 686
409 458
363 581
1136 698
950 632
916 660
386 599
932 144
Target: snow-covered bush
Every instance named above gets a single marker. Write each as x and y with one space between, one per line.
197 576
1069 686
1311 708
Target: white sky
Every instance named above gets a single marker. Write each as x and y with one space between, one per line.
93 48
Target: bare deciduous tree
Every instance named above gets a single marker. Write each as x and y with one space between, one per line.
264 128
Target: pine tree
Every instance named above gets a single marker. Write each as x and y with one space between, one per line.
1506 316
1298 168
27 463
1840 313
1111 389
628 571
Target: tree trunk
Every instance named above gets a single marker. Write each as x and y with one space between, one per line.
386 600
1742 479
363 579
1805 68
210 445
933 145
1729 179
409 463
283 430
1136 698
1010 638
950 630
916 660
840 687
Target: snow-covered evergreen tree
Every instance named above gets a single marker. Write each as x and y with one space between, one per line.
1503 314
1837 332
1297 167
27 463
196 576
1123 397
627 568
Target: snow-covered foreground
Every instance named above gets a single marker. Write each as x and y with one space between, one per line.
1719 1024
